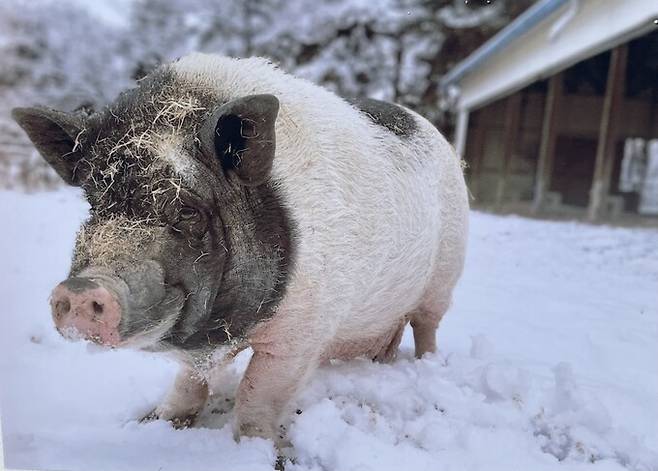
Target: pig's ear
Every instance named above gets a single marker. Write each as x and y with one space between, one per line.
241 135
54 134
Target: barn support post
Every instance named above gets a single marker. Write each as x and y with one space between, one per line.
476 156
461 131
614 95
547 142
512 117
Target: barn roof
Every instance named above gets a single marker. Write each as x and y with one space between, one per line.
547 38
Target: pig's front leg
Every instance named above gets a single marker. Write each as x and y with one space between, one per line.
184 401
269 383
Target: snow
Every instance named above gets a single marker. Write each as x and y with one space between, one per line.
547 360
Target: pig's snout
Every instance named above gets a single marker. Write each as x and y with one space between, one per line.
82 308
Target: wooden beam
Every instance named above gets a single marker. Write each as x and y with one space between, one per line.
614 96
653 113
510 134
461 132
477 153
547 142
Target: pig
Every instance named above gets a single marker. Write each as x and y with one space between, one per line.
233 205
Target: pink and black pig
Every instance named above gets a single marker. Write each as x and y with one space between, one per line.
234 206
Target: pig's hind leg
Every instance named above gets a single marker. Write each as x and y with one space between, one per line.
424 322
438 292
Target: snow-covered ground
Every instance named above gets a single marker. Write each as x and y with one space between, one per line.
548 360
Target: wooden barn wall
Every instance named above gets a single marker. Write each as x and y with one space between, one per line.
577 129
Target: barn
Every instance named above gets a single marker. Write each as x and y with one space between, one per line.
558 112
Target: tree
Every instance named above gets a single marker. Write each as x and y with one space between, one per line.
56 56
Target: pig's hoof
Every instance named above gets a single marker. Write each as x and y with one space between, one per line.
280 464
253 430
178 423
150 417
385 357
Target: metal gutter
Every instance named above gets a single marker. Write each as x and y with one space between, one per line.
524 23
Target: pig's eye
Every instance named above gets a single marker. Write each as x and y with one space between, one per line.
191 221
187 213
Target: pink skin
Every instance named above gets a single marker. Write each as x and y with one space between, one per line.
93 314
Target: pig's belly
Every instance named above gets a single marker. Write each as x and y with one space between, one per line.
372 320
384 276
386 290
367 344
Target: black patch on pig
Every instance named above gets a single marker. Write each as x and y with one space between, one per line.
387 115
260 238
121 138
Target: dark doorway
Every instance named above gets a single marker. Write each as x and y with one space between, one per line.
574 169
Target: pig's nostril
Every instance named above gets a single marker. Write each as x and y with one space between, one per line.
98 308
62 307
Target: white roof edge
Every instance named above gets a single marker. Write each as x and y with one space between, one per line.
527 20
598 26
557 67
